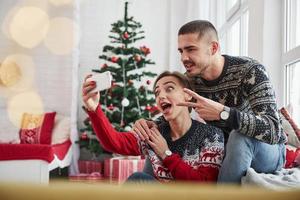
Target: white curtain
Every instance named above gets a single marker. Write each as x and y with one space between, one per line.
182 12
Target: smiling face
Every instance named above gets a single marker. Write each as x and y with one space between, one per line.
196 53
168 92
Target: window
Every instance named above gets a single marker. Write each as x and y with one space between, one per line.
232 23
293 24
293 90
291 57
234 38
232 6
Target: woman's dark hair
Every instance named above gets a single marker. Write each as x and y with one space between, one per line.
183 80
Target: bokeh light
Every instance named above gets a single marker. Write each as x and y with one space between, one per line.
29 102
62 36
7 21
17 74
29 26
10 73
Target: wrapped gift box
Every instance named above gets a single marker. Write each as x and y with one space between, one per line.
118 169
93 177
89 166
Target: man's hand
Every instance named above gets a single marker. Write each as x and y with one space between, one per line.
207 109
142 128
158 143
89 98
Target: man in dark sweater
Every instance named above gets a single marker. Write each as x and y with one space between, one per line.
234 94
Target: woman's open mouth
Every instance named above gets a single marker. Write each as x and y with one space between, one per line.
166 107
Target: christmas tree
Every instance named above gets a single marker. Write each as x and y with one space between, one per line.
130 97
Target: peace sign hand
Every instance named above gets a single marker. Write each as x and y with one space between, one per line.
207 109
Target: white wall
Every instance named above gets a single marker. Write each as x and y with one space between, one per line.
161 20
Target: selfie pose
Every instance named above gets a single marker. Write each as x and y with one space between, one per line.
234 94
179 148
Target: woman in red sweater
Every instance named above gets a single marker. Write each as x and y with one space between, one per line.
180 148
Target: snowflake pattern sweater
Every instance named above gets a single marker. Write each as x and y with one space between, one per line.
197 155
244 86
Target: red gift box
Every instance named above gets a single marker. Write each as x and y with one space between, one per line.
89 166
118 169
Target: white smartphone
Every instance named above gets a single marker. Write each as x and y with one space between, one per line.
103 80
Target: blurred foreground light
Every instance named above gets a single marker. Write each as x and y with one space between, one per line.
29 26
29 102
16 74
61 2
62 36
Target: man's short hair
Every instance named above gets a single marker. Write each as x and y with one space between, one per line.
201 27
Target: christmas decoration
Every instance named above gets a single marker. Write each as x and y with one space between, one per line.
114 59
110 107
118 169
129 98
148 108
104 65
130 82
125 102
137 58
125 36
84 136
145 50
127 128
153 109
148 82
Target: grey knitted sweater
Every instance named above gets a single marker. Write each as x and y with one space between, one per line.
245 87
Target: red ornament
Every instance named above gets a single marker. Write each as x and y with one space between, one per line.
104 65
111 107
114 59
153 109
148 82
142 88
137 58
84 136
125 35
145 50
148 108
130 82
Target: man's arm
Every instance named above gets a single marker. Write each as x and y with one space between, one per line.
262 120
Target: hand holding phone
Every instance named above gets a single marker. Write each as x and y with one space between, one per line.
103 80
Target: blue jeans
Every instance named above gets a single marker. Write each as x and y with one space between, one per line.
140 177
243 152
